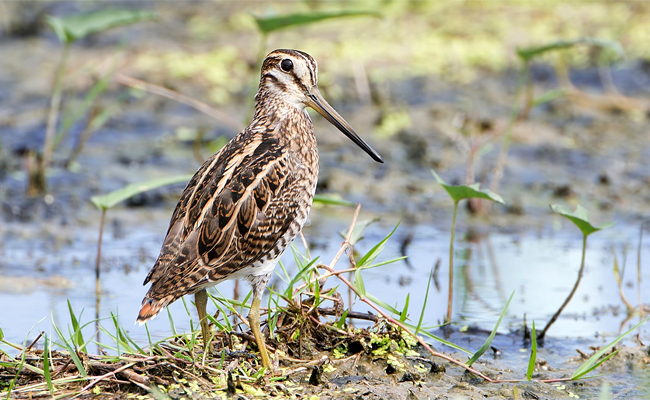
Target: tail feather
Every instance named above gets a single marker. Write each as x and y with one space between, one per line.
149 310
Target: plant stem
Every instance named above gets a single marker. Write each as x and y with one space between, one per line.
541 336
98 285
99 252
451 264
55 104
507 132
638 272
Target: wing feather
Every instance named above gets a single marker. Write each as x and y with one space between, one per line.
233 212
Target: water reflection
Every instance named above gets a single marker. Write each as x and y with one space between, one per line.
541 267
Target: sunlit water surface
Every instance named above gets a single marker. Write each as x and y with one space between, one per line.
40 272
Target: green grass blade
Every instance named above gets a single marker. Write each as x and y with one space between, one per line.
298 277
77 335
594 362
218 324
424 304
370 256
426 333
382 263
358 283
151 345
533 355
172 327
73 353
488 341
20 366
286 278
46 364
404 314
382 304
341 321
109 200
597 364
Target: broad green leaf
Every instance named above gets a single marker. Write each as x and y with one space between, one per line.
528 53
74 27
460 192
274 23
580 217
333 201
488 341
2 334
533 355
109 200
594 361
358 230
370 256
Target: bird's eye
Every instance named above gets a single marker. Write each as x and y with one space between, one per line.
286 65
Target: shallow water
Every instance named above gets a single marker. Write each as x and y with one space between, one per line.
43 268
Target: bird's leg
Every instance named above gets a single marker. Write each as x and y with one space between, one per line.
201 301
259 283
254 319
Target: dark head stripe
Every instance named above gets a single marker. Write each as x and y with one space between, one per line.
276 57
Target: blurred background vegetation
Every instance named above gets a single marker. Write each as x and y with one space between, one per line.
416 77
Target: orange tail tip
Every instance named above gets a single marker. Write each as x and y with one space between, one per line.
148 311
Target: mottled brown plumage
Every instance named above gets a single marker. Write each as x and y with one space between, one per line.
247 202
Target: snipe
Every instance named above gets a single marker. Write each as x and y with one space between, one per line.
247 202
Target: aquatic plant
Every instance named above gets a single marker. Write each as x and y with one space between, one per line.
580 217
69 30
525 99
458 193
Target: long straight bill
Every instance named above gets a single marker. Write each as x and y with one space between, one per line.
318 103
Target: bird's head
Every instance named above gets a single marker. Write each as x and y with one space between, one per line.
293 76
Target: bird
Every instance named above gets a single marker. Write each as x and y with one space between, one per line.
247 202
